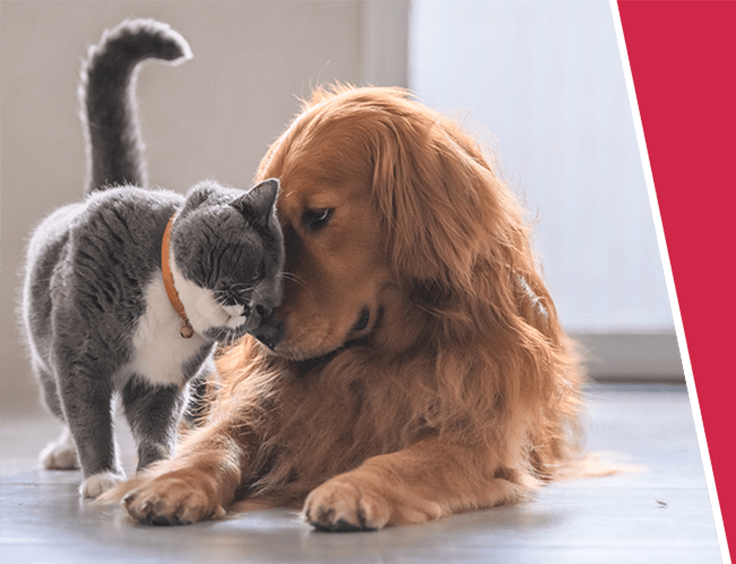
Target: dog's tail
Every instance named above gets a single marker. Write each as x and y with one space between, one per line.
107 96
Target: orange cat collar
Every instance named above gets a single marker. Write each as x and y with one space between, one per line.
186 330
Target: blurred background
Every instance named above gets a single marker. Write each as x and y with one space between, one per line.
541 84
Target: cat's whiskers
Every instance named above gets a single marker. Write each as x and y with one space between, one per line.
293 278
211 310
257 293
238 291
231 334
298 280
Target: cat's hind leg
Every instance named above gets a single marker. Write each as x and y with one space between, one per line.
49 390
153 413
60 454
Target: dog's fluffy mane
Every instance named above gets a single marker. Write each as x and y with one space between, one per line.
478 358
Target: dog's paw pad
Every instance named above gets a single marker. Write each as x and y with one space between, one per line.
100 483
342 506
342 526
164 521
181 497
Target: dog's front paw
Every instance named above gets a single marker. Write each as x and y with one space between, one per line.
174 498
100 483
343 504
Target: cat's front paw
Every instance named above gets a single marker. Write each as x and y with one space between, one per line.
100 483
60 454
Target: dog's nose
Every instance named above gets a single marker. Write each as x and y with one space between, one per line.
270 332
263 311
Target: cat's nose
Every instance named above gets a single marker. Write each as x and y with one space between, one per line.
230 297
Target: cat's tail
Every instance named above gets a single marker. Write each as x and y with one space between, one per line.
107 95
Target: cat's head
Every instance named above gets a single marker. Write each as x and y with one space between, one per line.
227 257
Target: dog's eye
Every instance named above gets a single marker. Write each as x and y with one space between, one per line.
316 219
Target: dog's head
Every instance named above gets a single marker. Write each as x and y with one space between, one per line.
383 201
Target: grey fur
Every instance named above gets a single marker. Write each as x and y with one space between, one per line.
96 315
152 412
107 96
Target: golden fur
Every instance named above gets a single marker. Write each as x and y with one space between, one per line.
424 371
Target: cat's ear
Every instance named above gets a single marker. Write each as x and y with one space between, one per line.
257 204
262 197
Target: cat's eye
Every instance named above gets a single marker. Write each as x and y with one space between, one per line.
259 272
317 218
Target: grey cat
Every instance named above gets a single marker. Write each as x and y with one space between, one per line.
98 315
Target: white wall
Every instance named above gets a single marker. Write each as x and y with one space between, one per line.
543 83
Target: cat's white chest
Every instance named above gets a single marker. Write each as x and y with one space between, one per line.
159 349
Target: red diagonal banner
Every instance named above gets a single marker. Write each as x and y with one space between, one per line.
683 61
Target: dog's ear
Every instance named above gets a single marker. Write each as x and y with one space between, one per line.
441 202
453 227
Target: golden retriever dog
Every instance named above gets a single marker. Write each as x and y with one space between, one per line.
422 371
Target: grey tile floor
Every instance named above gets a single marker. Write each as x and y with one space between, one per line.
659 514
